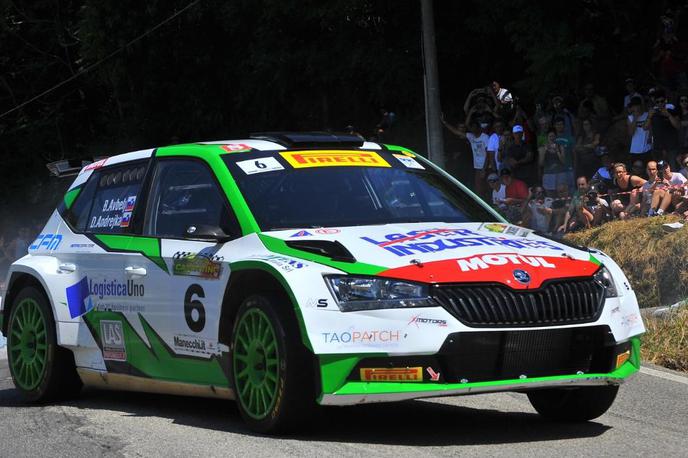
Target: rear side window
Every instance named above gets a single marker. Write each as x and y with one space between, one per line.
107 202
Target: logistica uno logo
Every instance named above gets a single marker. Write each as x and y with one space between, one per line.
79 295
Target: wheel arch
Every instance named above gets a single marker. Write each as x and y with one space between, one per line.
251 277
19 279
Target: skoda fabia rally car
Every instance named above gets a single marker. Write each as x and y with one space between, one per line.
291 270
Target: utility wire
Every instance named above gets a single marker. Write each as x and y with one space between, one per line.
94 65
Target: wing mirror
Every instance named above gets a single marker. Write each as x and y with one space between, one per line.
207 233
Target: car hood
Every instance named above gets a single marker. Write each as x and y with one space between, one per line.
453 252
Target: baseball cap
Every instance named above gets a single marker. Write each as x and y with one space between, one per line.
505 171
493 177
517 128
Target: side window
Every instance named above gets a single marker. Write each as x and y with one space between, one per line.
77 215
114 199
183 194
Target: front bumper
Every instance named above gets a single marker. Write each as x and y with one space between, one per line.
340 387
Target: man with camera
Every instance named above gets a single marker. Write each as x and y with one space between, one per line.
669 190
537 210
663 121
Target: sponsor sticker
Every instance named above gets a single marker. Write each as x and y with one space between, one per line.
79 298
112 339
327 231
508 229
192 344
418 320
301 234
487 260
364 336
305 159
46 241
434 376
197 265
282 262
236 147
94 165
260 165
408 162
440 239
392 374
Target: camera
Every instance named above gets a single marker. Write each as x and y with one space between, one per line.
661 169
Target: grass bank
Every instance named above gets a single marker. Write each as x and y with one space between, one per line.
666 341
655 262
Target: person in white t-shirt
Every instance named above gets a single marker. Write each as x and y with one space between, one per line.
670 188
498 190
641 142
479 140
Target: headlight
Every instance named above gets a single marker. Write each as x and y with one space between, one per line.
604 277
370 293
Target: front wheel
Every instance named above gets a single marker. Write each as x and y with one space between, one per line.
272 371
41 370
573 404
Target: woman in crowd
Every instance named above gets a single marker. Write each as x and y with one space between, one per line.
587 141
552 162
627 187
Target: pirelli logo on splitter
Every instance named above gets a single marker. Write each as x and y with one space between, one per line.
305 159
400 374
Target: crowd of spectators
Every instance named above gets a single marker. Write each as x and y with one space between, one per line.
553 171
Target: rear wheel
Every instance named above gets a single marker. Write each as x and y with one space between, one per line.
573 404
41 370
272 371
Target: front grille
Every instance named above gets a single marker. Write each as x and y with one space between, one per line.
479 356
557 302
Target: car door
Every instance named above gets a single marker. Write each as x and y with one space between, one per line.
189 277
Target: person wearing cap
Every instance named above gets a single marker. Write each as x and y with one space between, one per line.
641 142
519 155
663 122
498 191
603 178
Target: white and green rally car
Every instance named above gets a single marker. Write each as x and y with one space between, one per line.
290 270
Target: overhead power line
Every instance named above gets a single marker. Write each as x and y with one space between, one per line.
104 59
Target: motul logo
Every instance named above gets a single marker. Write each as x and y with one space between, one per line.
405 374
485 261
334 158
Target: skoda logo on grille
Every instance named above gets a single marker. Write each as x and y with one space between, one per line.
522 276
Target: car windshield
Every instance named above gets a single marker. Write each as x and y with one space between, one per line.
283 193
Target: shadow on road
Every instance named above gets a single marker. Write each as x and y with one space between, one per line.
415 423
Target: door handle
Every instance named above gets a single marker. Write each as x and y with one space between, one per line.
66 267
135 271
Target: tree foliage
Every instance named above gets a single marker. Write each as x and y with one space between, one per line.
222 69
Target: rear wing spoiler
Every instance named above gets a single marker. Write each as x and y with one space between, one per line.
69 167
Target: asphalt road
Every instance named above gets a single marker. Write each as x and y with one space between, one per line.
650 417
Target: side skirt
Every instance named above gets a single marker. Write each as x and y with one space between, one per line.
124 382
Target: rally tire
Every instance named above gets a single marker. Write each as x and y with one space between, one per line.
41 370
573 404
272 371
